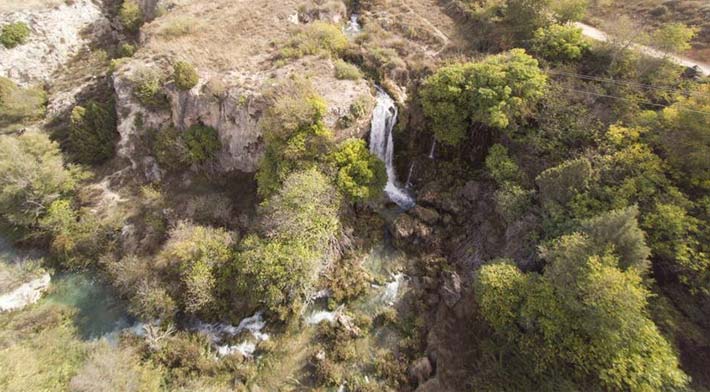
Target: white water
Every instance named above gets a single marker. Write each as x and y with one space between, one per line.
384 118
353 26
217 332
26 294
389 295
433 147
321 315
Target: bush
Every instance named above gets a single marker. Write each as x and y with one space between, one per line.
184 75
193 257
344 70
126 50
92 133
500 166
202 143
130 15
18 104
115 369
148 84
14 34
79 238
512 201
561 183
177 27
317 38
361 176
32 177
559 43
169 149
295 135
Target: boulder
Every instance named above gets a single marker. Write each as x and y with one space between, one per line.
420 370
451 289
427 215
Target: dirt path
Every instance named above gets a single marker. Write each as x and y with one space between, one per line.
599 35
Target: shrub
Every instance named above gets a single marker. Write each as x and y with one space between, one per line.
184 75
295 135
92 133
202 143
79 238
315 39
14 34
126 50
169 149
32 176
148 84
177 27
361 176
130 15
500 166
560 43
512 201
561 183
18 104
193 257
344 70
116 369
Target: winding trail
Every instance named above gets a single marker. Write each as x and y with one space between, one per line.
599 35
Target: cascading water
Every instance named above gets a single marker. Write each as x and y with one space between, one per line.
433 147
384 119
353 27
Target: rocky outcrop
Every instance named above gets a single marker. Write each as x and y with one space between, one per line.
234 109
57 35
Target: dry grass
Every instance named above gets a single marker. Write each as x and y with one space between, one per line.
226 35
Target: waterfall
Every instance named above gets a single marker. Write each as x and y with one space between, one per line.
433 147
384 119
353 27
408 184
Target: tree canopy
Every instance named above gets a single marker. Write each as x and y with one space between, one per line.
493 92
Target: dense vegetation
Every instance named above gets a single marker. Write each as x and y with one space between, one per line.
560 241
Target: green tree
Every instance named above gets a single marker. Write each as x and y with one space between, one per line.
559 43
493 92
92 133
361 175
512 201
301 227
674 238
191 260
566 11
14 34
184 75
620 229
523 17
673 37
561 183
685 137
32 176
584 316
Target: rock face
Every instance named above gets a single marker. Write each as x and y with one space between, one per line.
26 294
57 34
235 111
